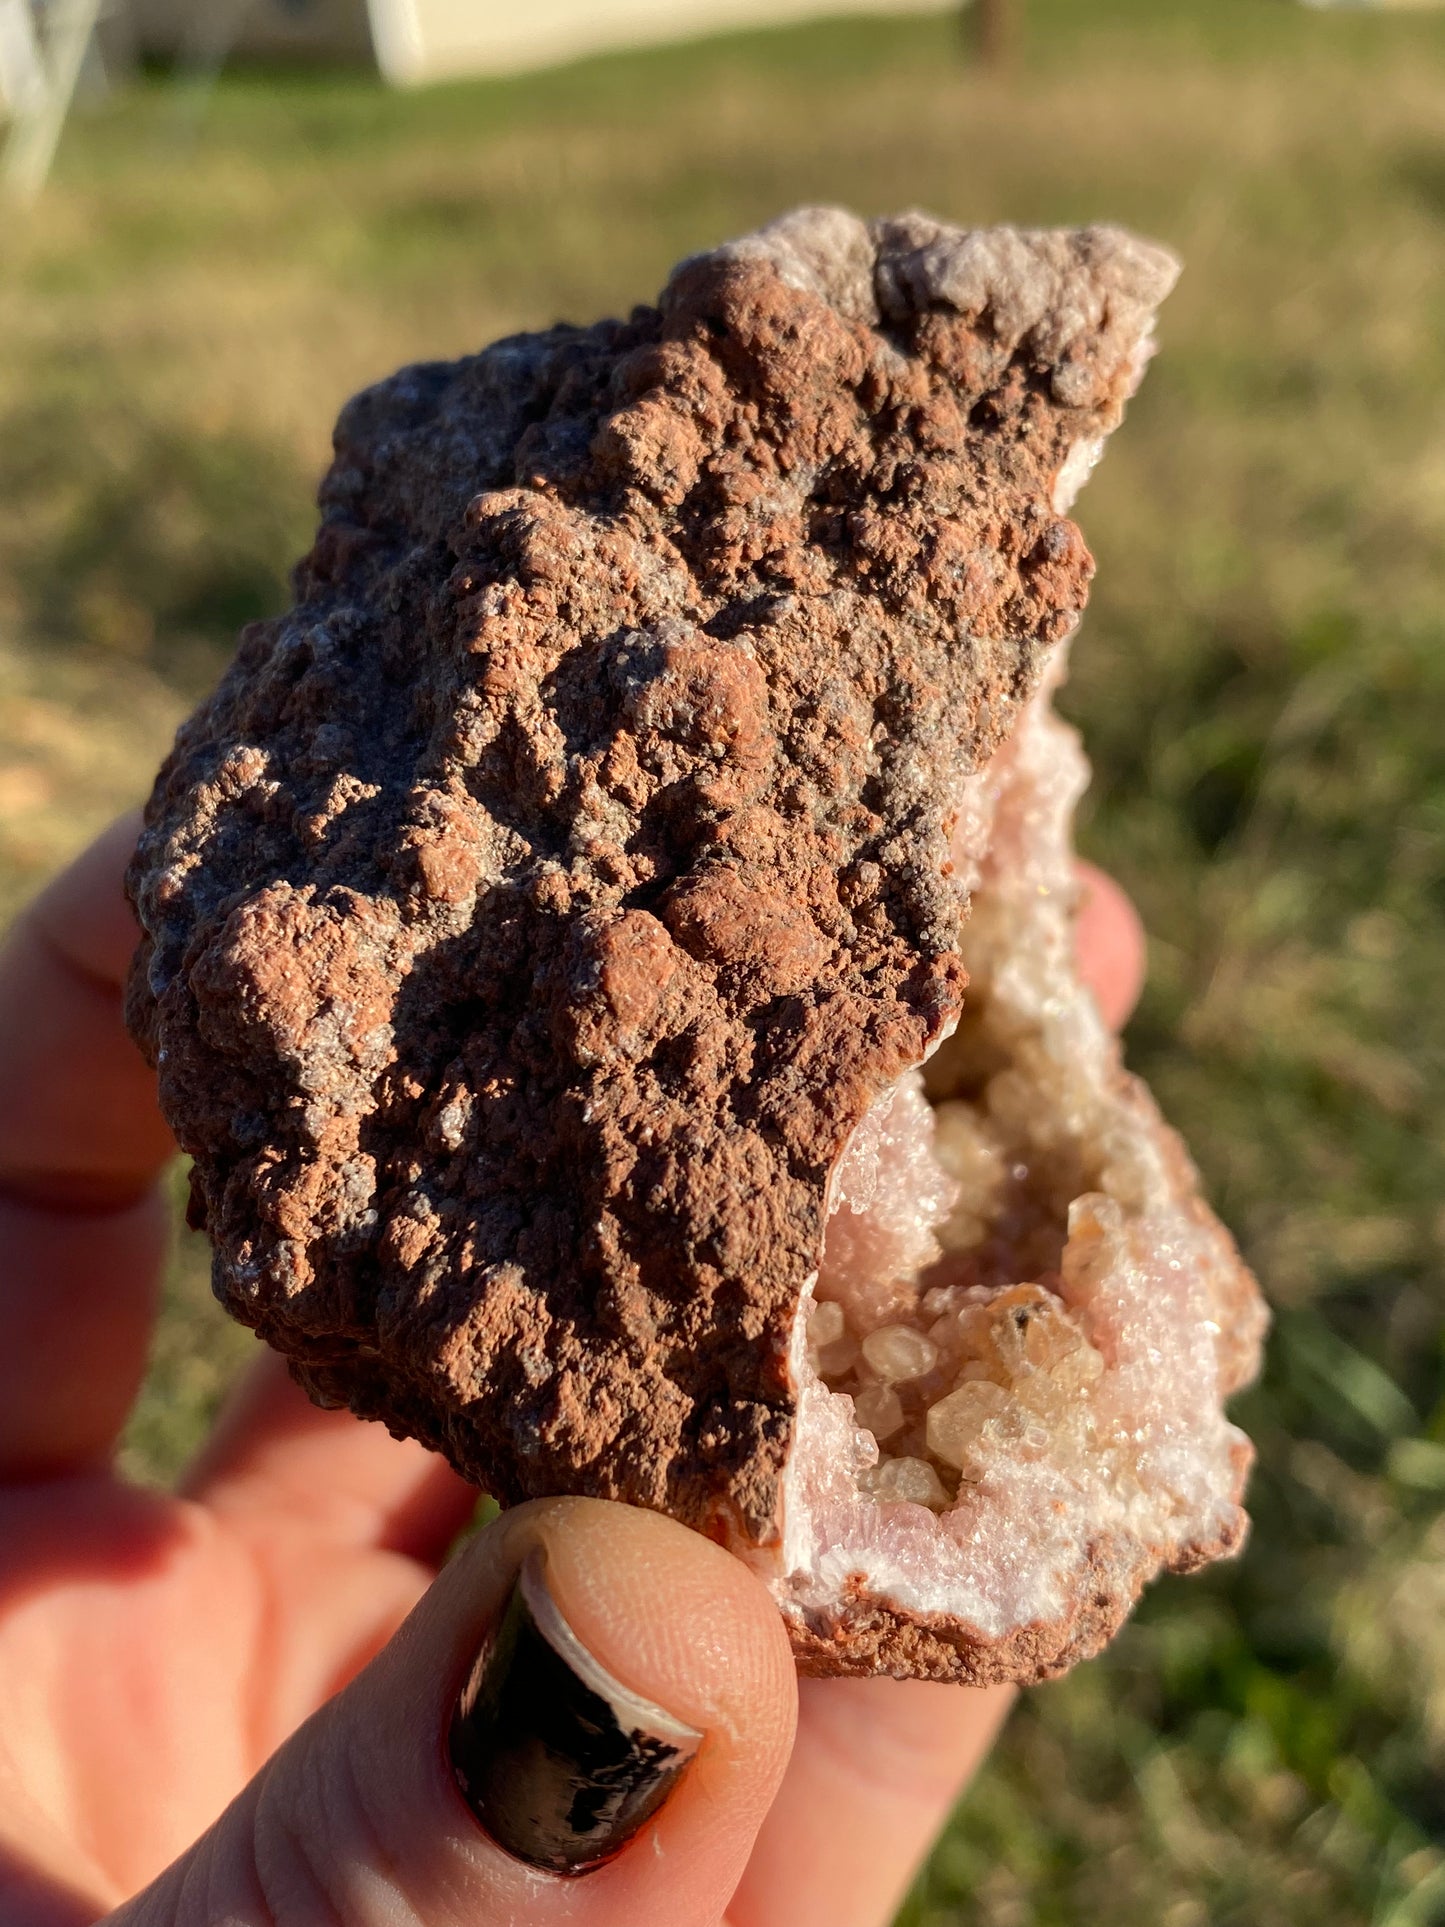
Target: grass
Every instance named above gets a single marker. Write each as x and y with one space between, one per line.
1261 681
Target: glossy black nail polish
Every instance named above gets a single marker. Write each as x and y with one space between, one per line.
559 1761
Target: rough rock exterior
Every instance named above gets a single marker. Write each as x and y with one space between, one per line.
535 909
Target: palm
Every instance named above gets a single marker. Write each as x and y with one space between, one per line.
190 1637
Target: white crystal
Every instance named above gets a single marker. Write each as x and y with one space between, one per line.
910 1481
959 1425
898 1353
879 1410
825 1324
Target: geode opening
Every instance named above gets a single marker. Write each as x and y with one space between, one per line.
1014 1357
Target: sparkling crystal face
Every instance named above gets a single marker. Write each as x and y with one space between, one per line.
1024 1325
976 1354
939 1307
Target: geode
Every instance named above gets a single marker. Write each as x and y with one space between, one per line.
608 950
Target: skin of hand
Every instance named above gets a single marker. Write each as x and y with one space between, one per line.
228 1704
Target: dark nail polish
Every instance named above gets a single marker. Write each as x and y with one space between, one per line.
560 1762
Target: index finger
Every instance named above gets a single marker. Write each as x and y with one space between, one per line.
79 1123
82 1143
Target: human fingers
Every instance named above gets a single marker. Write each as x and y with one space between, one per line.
77 1300
82 1233
876 1768
1109 941
273 1454
80 1123
576 1663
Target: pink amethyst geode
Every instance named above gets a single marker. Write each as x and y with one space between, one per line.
608 950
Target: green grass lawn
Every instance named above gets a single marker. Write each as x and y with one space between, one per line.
1261 680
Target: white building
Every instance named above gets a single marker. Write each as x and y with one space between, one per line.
412 41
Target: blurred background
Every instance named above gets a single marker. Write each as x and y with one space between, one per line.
229 245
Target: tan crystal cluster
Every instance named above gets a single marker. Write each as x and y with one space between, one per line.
608 949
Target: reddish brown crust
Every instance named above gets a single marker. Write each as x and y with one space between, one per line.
867 1638
535 909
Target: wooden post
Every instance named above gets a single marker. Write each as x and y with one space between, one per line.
993 28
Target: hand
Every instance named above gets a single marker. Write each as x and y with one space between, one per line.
210 1708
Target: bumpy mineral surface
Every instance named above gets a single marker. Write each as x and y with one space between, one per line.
608 950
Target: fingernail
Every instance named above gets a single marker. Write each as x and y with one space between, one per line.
560 1762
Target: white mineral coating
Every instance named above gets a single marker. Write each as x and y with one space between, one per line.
1078 466
889 1197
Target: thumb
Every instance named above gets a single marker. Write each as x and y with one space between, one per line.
585 1687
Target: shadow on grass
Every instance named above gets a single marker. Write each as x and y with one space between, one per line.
141 539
